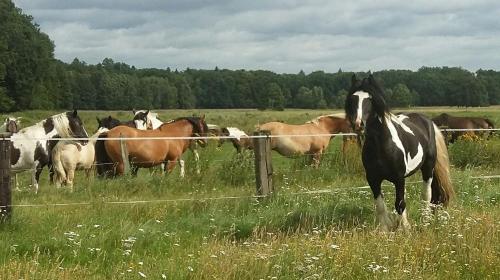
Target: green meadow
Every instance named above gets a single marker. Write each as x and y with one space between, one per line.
320 223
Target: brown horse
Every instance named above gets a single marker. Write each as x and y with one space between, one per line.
447 121
152 152
312 144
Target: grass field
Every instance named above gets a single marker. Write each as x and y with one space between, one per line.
184 234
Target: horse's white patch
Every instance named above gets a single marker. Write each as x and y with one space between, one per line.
362 95
236 132
427 190
410 163
399 120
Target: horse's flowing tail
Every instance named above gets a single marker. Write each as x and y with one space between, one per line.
57 165
442 189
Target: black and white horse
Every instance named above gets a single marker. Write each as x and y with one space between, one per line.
30 148
395 147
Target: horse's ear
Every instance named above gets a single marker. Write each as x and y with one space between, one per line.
354 80
75 113
202 117
147 112
133 111
109 117
371 79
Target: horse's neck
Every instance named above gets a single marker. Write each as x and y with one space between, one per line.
329 125
376 130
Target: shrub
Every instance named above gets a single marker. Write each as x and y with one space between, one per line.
472 151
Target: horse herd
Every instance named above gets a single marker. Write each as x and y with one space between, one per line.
394 146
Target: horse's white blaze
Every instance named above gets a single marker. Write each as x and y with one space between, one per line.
236 132
410 163
362 95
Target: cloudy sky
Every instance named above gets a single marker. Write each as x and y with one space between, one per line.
277 35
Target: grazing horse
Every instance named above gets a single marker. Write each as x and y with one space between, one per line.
238 137
30 146
395 147
152 152
310 137
447 121
68 156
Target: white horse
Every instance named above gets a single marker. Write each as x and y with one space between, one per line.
30 146
68 156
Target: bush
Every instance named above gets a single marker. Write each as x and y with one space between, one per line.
471 151
239 170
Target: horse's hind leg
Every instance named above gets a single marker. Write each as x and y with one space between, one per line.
70 177
427 170
380 208
400 204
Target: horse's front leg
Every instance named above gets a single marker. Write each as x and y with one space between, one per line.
316 157
181 166
170 165
383 218
36 176
400 204
196 160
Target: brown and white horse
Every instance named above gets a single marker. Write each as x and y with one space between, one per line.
310 138
238 137
152 152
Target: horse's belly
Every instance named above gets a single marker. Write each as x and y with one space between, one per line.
289 147
25 161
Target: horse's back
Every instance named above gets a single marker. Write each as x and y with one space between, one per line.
290 145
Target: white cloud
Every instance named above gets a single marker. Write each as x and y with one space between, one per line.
282 36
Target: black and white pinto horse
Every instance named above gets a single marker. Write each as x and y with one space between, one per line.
30 147
395 147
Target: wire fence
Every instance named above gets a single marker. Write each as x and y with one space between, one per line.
191 199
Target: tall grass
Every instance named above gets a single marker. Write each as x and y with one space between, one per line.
291 235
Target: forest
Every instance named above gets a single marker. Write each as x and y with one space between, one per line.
32 78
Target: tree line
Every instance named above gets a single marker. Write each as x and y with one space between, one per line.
31 78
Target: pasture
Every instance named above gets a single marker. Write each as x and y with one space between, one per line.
173 228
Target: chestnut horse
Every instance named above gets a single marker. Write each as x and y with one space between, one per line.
447 121
310 140
152 152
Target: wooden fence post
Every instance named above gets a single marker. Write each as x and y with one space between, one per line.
5 190
263 163
124 153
